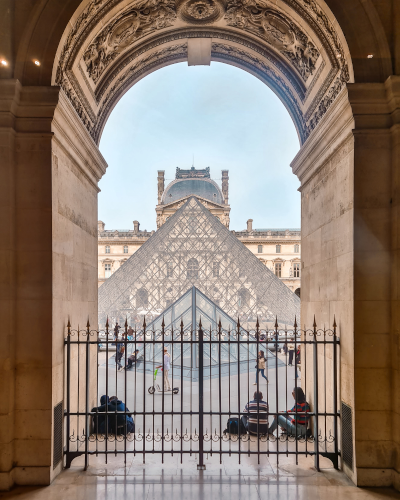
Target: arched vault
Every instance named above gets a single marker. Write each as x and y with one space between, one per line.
295 46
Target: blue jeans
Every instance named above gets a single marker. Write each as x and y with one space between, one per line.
262 374
286 423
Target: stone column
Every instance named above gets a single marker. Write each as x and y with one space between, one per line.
48 192
349 173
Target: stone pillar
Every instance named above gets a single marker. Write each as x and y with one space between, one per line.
48 192
250 225
225 186
100 226
349 173
160 184
136 226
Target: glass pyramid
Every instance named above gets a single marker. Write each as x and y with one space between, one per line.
218 330
193 248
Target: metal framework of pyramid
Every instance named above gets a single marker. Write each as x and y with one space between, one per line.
193 248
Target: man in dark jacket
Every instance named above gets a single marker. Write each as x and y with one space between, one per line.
122 424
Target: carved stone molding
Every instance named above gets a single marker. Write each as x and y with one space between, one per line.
277 30
218 33
147 16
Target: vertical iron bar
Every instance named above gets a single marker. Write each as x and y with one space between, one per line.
144 388
107 340
163 389
219 389
335 411
277 385
181 430
68 426
316 425
87 375
238 361
125 389
201 465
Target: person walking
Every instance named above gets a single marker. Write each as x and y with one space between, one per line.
116 330
297 362
291 354
260 366
166 368
295 424
120 349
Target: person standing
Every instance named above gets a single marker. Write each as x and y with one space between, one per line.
116 330
166 368
291 354
260 366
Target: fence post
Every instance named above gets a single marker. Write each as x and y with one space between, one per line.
201 465
87 383
68 425
315 356
335 393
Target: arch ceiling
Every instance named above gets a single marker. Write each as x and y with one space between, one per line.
291 45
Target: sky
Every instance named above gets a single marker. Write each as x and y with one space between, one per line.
221 116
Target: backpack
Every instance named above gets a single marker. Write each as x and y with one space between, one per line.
232 426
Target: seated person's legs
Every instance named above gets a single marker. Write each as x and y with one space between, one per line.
245 422
282 422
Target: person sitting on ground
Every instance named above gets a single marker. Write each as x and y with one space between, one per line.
124 423
256 420
133 358
99 419
294 425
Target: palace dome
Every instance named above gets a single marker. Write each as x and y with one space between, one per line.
202 187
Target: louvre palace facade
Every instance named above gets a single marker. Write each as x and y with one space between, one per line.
278 249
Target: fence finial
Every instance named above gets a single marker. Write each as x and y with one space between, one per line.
315 323
69 327
276 322
295 322
88 324
257 323
107 323
126 322
200 325
334 321
163 323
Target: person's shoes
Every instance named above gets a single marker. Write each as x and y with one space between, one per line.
255 383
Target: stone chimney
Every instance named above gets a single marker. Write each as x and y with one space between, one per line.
160 184
225 185
100 225
136 226
250 225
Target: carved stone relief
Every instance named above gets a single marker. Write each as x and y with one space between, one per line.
277 30
200 11
148 16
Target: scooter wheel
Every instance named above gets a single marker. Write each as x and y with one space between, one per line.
175 390
151 390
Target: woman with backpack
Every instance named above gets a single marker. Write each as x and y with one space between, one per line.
260 366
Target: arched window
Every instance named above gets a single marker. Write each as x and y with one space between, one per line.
260 249
108 249
142 299
296 249
243 297
125 248
192 268
278 249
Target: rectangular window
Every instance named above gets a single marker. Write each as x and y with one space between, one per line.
125 249
278 249
215 269
260 249
278 269
296 269
296 249
107 269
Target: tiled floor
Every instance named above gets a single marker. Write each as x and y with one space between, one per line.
226 481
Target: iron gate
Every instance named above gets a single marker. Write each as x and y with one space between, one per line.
212 375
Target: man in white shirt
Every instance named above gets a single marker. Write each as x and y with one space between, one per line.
167 366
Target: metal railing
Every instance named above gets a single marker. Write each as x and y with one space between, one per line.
212 374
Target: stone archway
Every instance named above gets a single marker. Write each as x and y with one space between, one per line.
345 108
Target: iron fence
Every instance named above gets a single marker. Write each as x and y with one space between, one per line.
212 376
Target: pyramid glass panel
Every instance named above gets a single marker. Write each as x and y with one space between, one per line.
186 251
218 329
